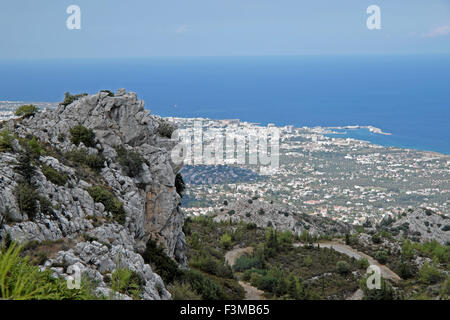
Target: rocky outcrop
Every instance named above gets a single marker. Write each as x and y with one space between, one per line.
264 214
422 224
149 199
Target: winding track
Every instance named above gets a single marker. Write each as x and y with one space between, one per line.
252 293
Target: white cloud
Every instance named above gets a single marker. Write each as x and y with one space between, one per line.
438 32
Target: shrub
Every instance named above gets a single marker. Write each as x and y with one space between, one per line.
127 282
183 291
164 266
46 205
430 274
231 212
80 133
94 161
246 262
26 110
179 184
109 92
33 147
376 239
342 267
261 211
19 280
207 288
54 176
225 241
27 197
130 161
381 256
69 98
111 203
166 129
363 263
6 139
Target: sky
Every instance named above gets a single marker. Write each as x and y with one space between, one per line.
31 29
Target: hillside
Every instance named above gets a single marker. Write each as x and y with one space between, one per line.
88 185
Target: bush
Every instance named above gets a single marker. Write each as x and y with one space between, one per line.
164 266
430 274
179 184
130 161
54 176
381 256
94 161
183 291
246 262
342 267
69 98
27 197
111 203
25 168
26 110
166 129
45 205
127 282
33 147
376 239
109 92
363 263
225 241
19 280
207 288
6 139
80 133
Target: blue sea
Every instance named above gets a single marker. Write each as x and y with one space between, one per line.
408 96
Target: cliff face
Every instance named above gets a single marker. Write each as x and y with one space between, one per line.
149 198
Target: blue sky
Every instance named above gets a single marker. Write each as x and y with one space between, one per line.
33 29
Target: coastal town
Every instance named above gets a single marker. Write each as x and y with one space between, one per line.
342 178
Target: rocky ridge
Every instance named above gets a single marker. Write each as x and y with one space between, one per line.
264 214
150 199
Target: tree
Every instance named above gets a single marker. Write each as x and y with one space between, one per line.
25 168
225 241
26 110
407 250
80 133
342 267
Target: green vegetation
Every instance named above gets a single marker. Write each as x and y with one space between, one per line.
111 203
81 157
80 133
127 282
179 184
6 140
225 241
109 92
26 110
161 263
19 280
130 161
166 129
54 176
69 98
342 267
27 200
282 270
430 274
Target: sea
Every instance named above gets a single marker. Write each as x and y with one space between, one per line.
405 95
